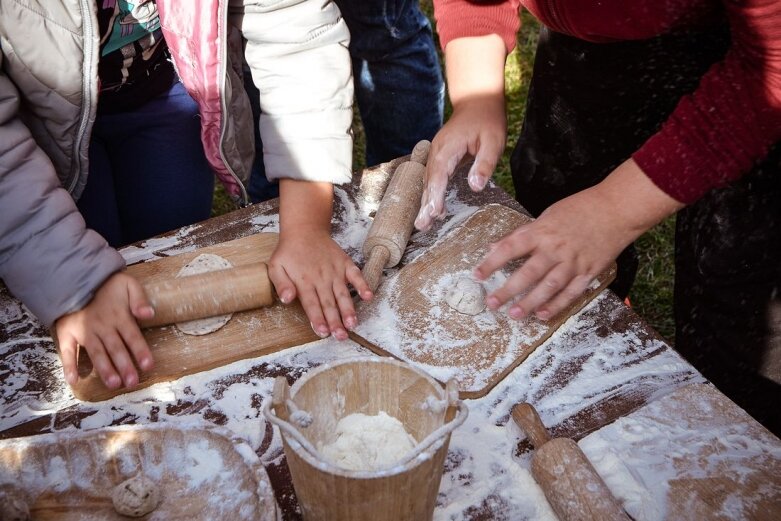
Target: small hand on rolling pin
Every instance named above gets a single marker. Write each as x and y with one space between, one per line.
573 488
108 326
393 223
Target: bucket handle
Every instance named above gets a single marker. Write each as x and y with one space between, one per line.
278 413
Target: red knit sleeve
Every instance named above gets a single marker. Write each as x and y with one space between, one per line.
719 132
459 18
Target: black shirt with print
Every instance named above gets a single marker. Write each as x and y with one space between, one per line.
134 62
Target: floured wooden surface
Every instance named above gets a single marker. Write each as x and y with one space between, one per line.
248 333
693 454
601 365
410 319
200 473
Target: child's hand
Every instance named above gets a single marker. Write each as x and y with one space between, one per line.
310 265
477 127
475 79
107 329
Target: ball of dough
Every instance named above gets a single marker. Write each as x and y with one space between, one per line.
136 496
467 297
13 504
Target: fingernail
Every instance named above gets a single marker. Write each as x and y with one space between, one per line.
350 322
286 296
340 334
146 364
476 181
477 274
71 377
422 217
131 380
517 313
543 314
322 332
492 302
113 382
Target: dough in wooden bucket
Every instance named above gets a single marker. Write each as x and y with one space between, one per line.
369 392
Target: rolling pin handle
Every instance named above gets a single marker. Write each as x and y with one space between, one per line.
420 152
527 419
372 270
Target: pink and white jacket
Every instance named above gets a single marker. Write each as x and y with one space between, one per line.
296 49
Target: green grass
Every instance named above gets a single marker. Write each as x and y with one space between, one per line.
651 295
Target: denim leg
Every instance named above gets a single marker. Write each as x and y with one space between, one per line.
160 172
398 79
260 189
398 83
98 202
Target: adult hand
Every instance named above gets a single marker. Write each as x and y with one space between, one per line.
573 241
478 126
107 329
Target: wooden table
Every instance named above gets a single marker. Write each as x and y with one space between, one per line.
602 365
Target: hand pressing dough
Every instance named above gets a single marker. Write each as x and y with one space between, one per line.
202 264
136 496
368 442
467 297
13 504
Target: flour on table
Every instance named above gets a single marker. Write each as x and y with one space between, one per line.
467 297
366 442
135 497
203 263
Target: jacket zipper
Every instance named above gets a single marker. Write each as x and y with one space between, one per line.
223 75
86 91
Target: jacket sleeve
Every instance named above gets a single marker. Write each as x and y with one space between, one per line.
462 18
298 53
728 124
48 258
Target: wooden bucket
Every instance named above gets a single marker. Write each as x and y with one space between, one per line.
307 415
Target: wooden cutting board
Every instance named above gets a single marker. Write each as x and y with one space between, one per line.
248 334
201 473
409 319
692 454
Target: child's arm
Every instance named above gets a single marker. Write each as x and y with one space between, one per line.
300 63
475 79
52 262
309 264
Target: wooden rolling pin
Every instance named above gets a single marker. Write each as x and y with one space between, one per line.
209 294
573 488
392 226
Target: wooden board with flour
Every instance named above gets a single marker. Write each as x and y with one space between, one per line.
248 333
410 318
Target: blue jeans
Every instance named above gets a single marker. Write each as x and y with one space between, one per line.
398 82
148 173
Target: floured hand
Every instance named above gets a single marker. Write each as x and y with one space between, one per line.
573 241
